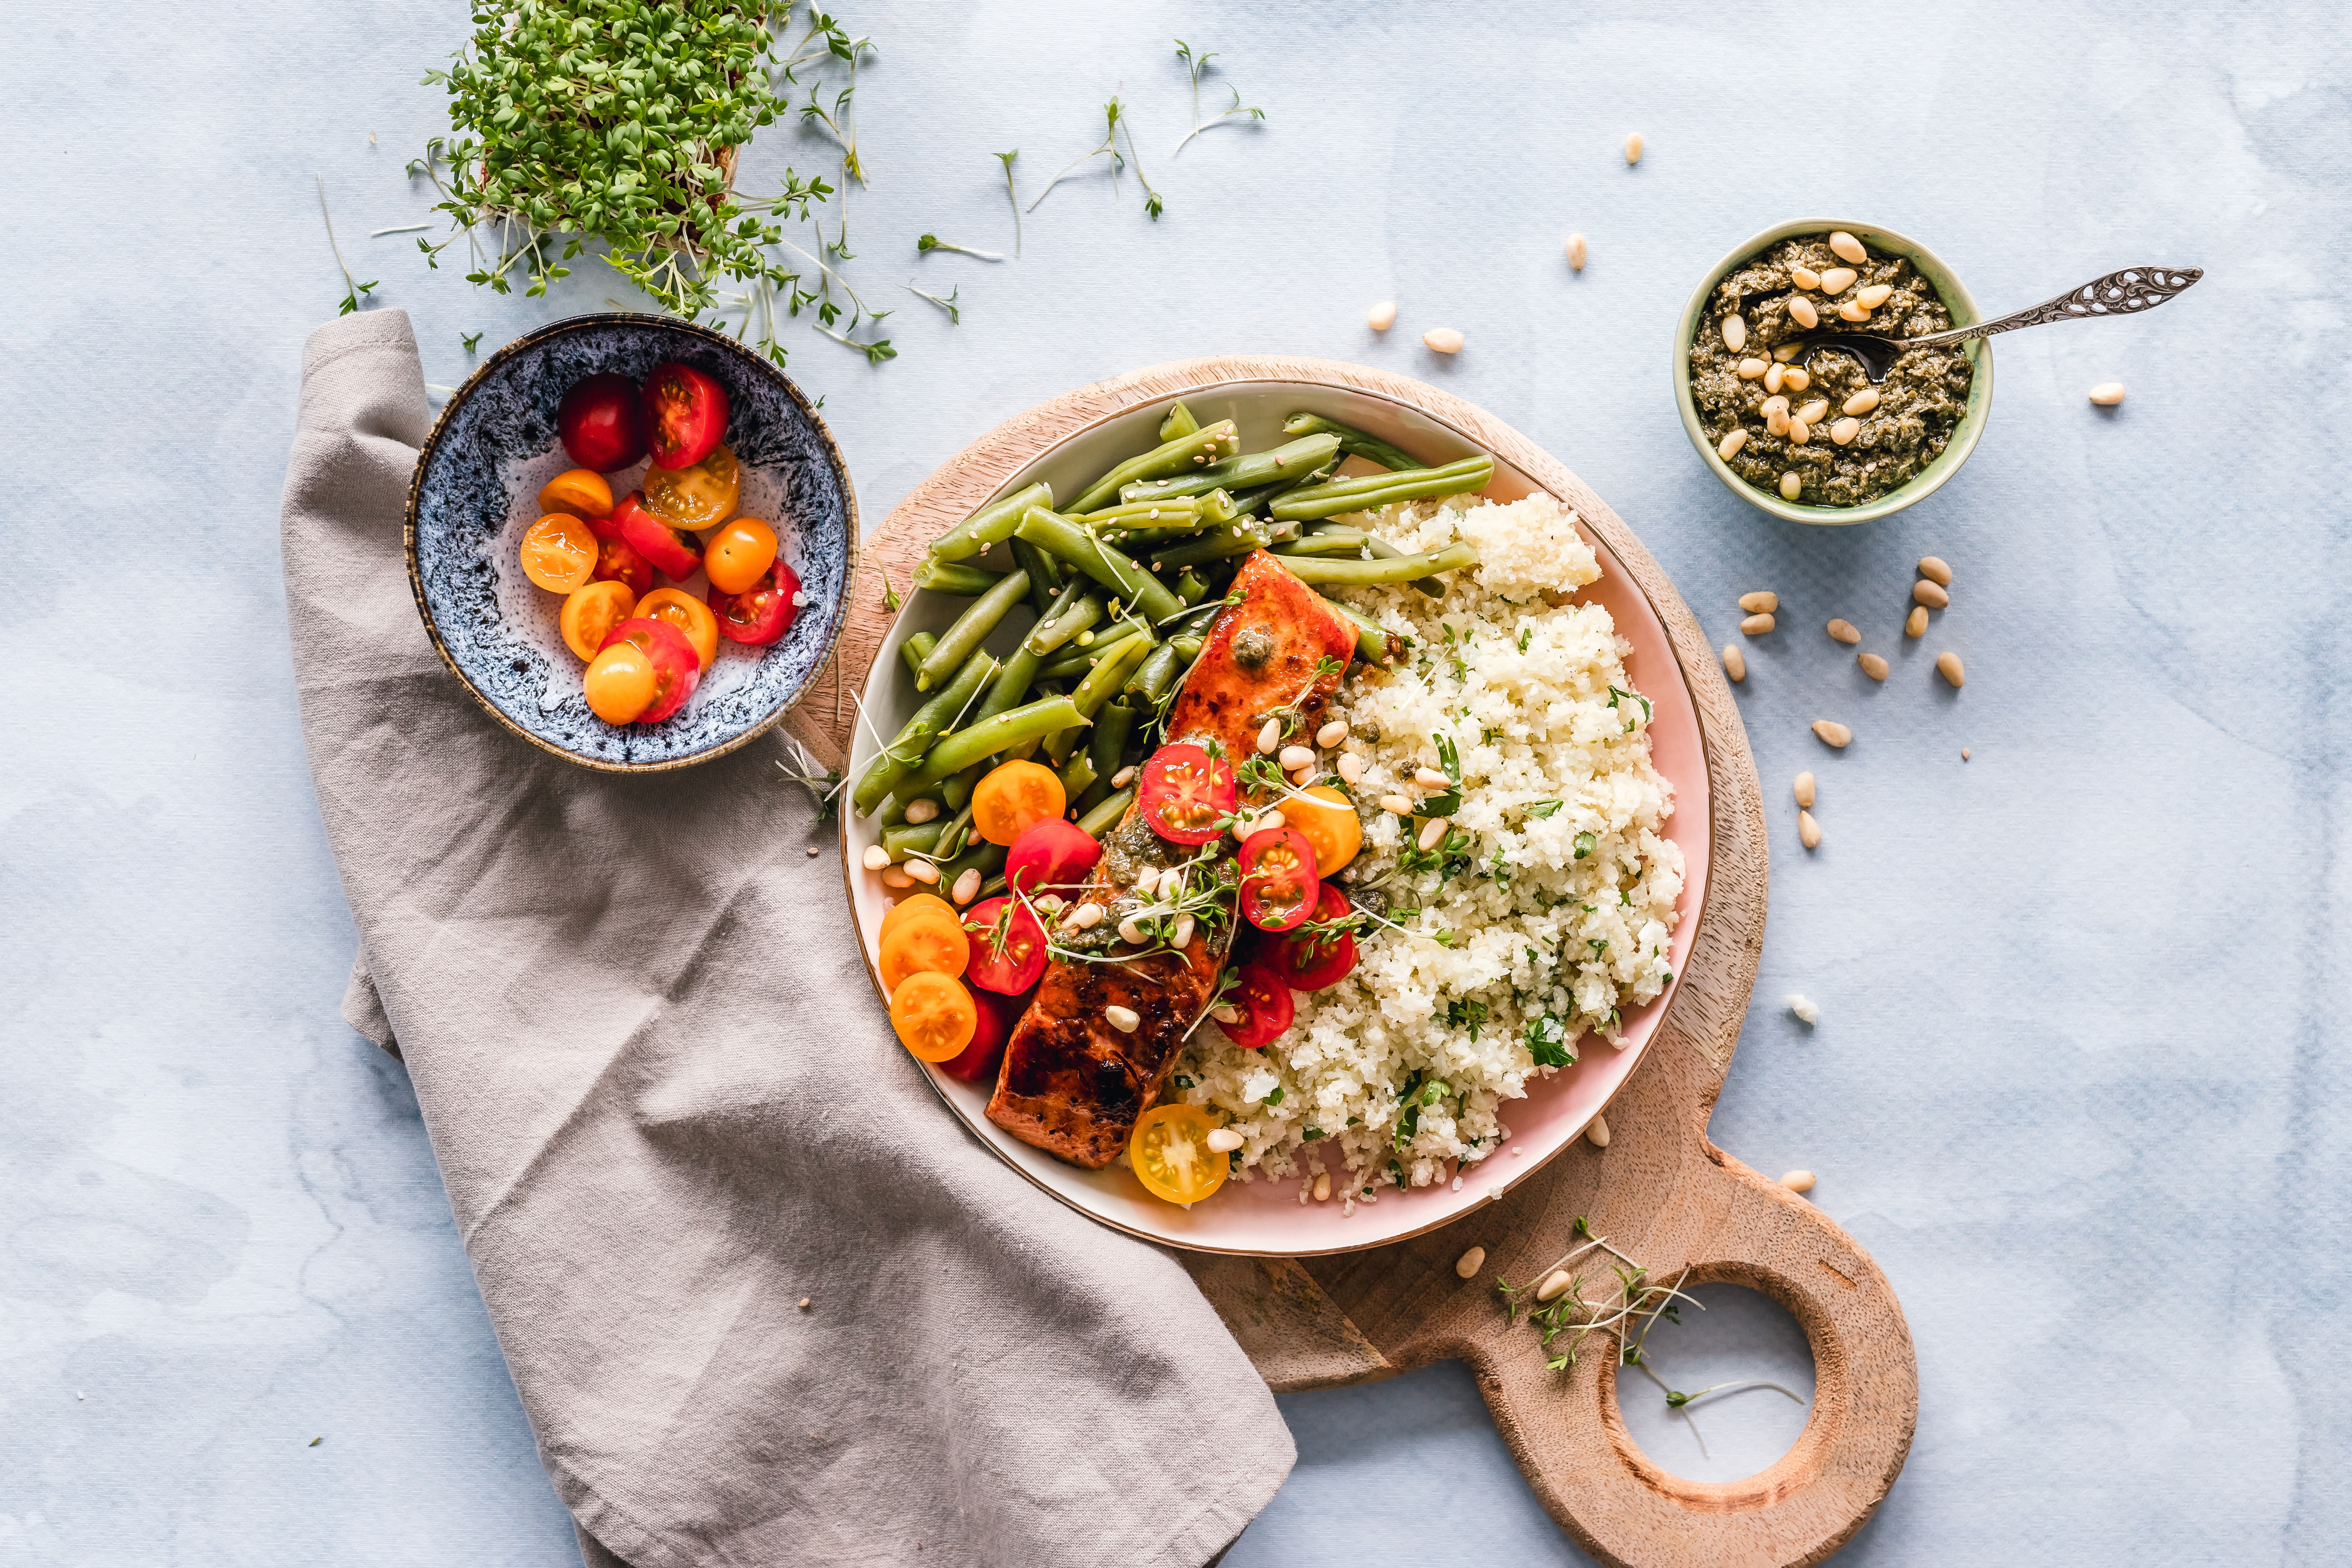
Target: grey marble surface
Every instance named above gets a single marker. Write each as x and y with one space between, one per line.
2078 1080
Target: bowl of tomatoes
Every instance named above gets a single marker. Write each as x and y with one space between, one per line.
630 537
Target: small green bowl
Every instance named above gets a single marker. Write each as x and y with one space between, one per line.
1920 486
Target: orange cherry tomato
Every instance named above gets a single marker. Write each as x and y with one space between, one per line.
591 614
620 683
689 615
559 552
582 492
739 554
913 905
935 1017
1170 1149
930 943
1334 830
1011 797
701 497
675 673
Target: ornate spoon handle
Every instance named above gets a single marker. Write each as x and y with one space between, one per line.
2123 293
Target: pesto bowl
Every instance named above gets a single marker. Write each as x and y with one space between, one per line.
1920 486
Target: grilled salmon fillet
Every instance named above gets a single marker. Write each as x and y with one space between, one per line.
1071 1084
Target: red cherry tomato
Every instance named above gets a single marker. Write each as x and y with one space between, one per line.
686 415
1278 885
679 555
603 423
617 561
762 613
1265 1005
1311 959
1008 947
677 670
1054 853
1185 792
995 1016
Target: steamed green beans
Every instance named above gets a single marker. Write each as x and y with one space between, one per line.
970 629
1045 577
1237 474
913 649
1107 812
1340 542
976 741
1233 539
1076 664
1098 560
1359 574
1066 622
953 577
1155 674
992 525
1098 687
1375 644
903 840
1370 491
1182 455
1187 648
901 757
1179 423
1354 442
1107 743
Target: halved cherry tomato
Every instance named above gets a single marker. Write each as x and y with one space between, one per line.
1318 954
1185 792
991 1028
602 422
1170 1149
703 496
689 615
677 672
1334 830
617 561
1012 797
1053 853
1278 882
1008 947
739 554
930 943
935 1017
907 908
620 683
686 415
559 553
762 613
582 492
1265 1005
590 613
657 540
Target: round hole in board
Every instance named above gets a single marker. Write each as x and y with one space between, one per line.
1743 1335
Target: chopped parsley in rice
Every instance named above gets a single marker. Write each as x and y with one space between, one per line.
1526 936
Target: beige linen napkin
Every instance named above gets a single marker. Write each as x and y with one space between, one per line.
668 1107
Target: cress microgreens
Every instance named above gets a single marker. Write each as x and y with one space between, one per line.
826 784
1195 64
1637 1300
471 339
352 291
1012 195
1107 148
933 242
955 317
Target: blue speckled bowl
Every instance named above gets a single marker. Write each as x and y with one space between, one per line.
483 464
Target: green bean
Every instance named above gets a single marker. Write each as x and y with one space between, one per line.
992 525
1077 774
1371 491
1245 472
966 746
1155 674
978 855
1187 648
1173 457
901 757
1191 587
1233 539
953 577
900 840
913 649
1098 687
1405 569
1375 644
1045 577
1108 812
1219 506
1078 663
1179 423
1352 441
959 830
972 628
1129 513
1067 621
1097 561
991 888
1107 747
1383 551
1333 542
955 794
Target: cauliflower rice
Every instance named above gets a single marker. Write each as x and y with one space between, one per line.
1542 918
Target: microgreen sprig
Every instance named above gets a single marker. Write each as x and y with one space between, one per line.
1196 64
933 242
955 316
1012 195
352 291
1107 148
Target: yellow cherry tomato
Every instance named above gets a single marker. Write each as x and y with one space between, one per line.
689 615
701 497
927 943
1334 830
559 552
739 554
1170 1149
917 904
1015 796
621 683
935 1017
591 612
582 492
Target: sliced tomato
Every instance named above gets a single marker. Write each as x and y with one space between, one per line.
677 671
935 1016
1265 1005
992 1027
689 615
1170 1154
1054 853
1278 882
603 423
677 554
617 561
700 497
1008 946
760 614
1014 797
590 613
1319 954
1185 794
686 415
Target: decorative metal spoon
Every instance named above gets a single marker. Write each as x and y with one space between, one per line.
2117 294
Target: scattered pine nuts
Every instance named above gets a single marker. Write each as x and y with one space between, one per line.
1808 832
1948 665
1853 310
1845 631
1466 1266
1130 931
1872 665
1301 777
1964 753
2108 393
1761 602
1777 422
1804 278
1396 805
1597 1132
921 811
1773 375
1555 1285
1792 486
804 1303
1749 369
1930 594
1121 779
1293 758
1269 736
1086 917
1801 312
1798 1180
1844 431
1576 252
1832 734
1381 317
1847 249
1838 280
1432 833
1351 769
1873 297
1734 663
1799 433
1126 1020
923 871
1634 148
1805 789
896 877
967 887
1224 1141
1331 735
1773 406
1182 935
1861 402
1757 626
1728 448
1443 340
1796 378
875 858
814 851
1933 569
1915 624
1816 411
1430 778
1225 1014
1787 352
1735 333
1803 1007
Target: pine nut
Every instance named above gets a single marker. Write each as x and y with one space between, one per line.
1804 790
1844 431
1126 1020
1757 626
1225 1014
1734 333
1845 631
1777 422
1053 903
1351 769
1222 1140
1728 448
1734 663
1847 247
1838 280
875 858
1792 486
1445 340
1773 375
1182 935
1555 1285
1466 1266
1797 378
1804 278
1930 594
1396 805
1269 736
1861 402
1934 569
1086 917
1294 758
1873 296
1130 931
1948 665
1801 312
1576 253
1749 369
1381 317
1872 665
2108 393
1430 778
1808 832
967 887
1331 735
1853 310
1323 1188
1432 833
1832 734
1799 432
1596 1132
1798 1180
1915 624
1634 148
1787 352
921 811
896 877
1121 779
1773 406
923 871
1763 600
1816 411
1301 777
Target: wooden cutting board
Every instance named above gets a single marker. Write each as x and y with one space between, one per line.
1660 1191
